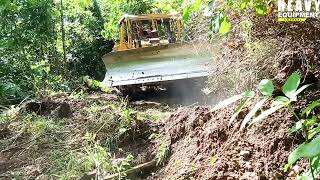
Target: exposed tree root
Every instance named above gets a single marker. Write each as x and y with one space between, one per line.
134 170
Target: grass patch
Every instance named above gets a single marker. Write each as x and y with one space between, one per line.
39 126
65 164
70 148
154 115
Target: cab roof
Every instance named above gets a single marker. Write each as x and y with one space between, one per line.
149 17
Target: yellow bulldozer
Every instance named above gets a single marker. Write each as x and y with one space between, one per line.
150 50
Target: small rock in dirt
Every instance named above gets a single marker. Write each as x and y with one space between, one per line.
259 165
231 178
295 170
249 175
245 154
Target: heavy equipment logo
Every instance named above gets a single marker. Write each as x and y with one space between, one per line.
298 10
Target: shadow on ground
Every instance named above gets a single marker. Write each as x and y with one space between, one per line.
182 92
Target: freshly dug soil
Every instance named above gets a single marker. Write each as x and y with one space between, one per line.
204 147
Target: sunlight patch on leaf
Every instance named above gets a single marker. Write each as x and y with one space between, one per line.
186 14
226 102
266 113
230 100
291 85
266 87
280 100
225 26
294 96
243 5
261 9
248 94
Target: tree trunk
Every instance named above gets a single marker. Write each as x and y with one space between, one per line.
63 37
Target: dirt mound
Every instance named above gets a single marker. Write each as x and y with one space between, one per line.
45 108
204 147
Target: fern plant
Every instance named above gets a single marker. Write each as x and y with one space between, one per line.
266 88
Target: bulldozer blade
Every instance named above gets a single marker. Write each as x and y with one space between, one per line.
156 64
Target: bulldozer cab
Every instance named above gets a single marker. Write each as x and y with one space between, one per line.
148 30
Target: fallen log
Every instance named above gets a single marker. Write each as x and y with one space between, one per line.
133 170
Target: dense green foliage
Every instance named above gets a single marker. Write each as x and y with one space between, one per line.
116 8
220 12
31 45
45 44
27 37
